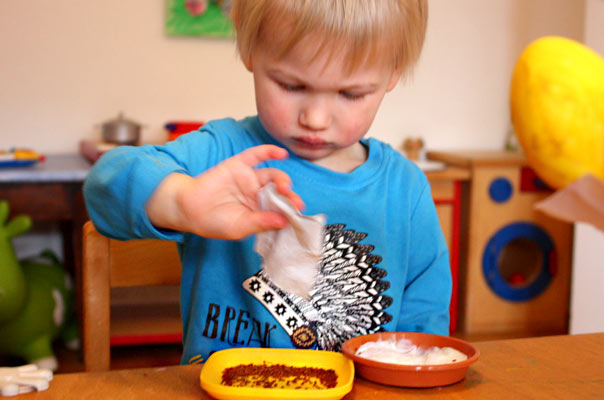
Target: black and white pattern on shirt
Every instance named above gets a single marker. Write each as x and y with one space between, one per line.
346 301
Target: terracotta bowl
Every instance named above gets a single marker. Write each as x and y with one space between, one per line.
411 375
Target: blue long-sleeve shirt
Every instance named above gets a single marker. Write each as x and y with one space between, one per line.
385 264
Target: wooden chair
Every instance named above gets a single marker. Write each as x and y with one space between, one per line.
107 264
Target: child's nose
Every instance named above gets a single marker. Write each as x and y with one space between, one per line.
315 116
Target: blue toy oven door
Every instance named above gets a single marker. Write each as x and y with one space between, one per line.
519 261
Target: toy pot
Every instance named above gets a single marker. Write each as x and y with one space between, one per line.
121 131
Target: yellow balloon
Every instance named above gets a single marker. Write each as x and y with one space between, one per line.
557 107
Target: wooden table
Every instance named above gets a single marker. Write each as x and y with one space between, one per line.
555 367
51 192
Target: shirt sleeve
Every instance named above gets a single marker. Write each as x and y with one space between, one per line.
427 295
121 182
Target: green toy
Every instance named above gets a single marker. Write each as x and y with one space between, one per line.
36 300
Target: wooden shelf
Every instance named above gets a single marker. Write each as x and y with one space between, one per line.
449 174
133 324
478 158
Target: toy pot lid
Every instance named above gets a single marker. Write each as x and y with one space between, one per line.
120 121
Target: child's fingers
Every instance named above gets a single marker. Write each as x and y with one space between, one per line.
259 221
266 220
282 182
255 155
278 177
293 197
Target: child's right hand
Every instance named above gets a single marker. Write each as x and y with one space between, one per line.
221 203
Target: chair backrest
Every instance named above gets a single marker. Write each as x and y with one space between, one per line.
111 263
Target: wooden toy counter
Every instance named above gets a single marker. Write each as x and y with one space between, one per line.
447 191
515 271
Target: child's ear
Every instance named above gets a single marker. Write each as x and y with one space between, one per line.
248 63
394 79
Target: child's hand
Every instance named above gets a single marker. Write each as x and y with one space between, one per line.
221 202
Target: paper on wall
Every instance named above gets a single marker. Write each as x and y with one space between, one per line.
290 256
581 201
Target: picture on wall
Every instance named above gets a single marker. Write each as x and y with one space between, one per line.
198 18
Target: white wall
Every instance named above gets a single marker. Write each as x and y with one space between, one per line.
594 25
66 65
586 313
587 282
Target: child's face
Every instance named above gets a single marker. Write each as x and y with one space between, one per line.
314 108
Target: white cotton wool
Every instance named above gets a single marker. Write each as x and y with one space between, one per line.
403 352
290 256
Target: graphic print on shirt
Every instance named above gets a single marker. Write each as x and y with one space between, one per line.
346 300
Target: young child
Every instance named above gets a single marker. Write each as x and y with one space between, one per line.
321 69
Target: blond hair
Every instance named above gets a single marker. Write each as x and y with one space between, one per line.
370 31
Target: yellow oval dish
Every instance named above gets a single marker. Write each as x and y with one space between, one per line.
211 374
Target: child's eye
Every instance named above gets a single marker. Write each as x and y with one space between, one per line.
291 88
351 96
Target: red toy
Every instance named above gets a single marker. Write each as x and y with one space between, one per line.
177 128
